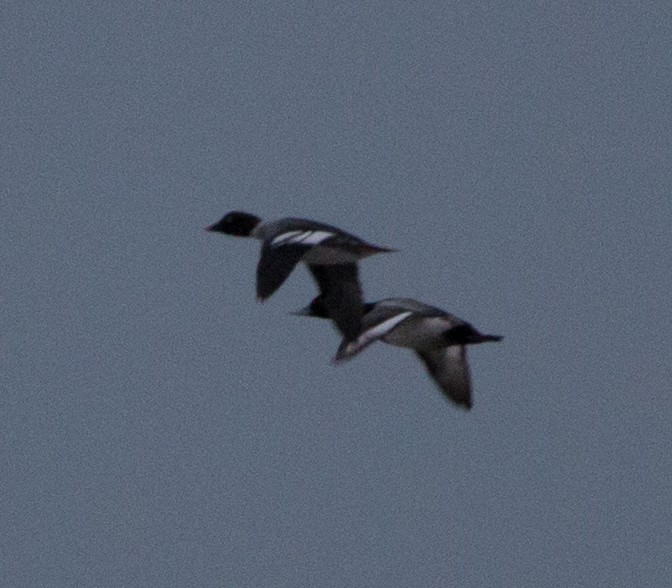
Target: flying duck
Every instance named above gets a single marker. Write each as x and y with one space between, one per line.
330 254
438 338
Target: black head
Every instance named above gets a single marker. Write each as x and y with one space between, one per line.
317 308
240 224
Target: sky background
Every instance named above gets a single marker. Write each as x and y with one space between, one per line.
159 427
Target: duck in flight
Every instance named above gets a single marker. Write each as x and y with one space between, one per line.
438 338
330 254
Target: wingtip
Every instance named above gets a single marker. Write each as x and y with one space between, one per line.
465 404
341 356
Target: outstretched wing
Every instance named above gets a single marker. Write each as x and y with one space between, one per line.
282 250
275 265
448 367
342 294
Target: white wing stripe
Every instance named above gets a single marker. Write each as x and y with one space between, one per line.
312 237
303 237
386 326
284 237
300 237
380 330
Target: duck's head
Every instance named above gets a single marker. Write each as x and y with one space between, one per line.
240 224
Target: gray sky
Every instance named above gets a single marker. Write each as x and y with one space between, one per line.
160 427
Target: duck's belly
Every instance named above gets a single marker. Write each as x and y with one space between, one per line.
418 333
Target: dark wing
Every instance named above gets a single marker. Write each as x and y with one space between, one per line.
275 265
342 295
448 367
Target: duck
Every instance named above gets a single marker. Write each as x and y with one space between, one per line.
330 254
438 338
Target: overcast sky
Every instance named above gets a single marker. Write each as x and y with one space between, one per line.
159 427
